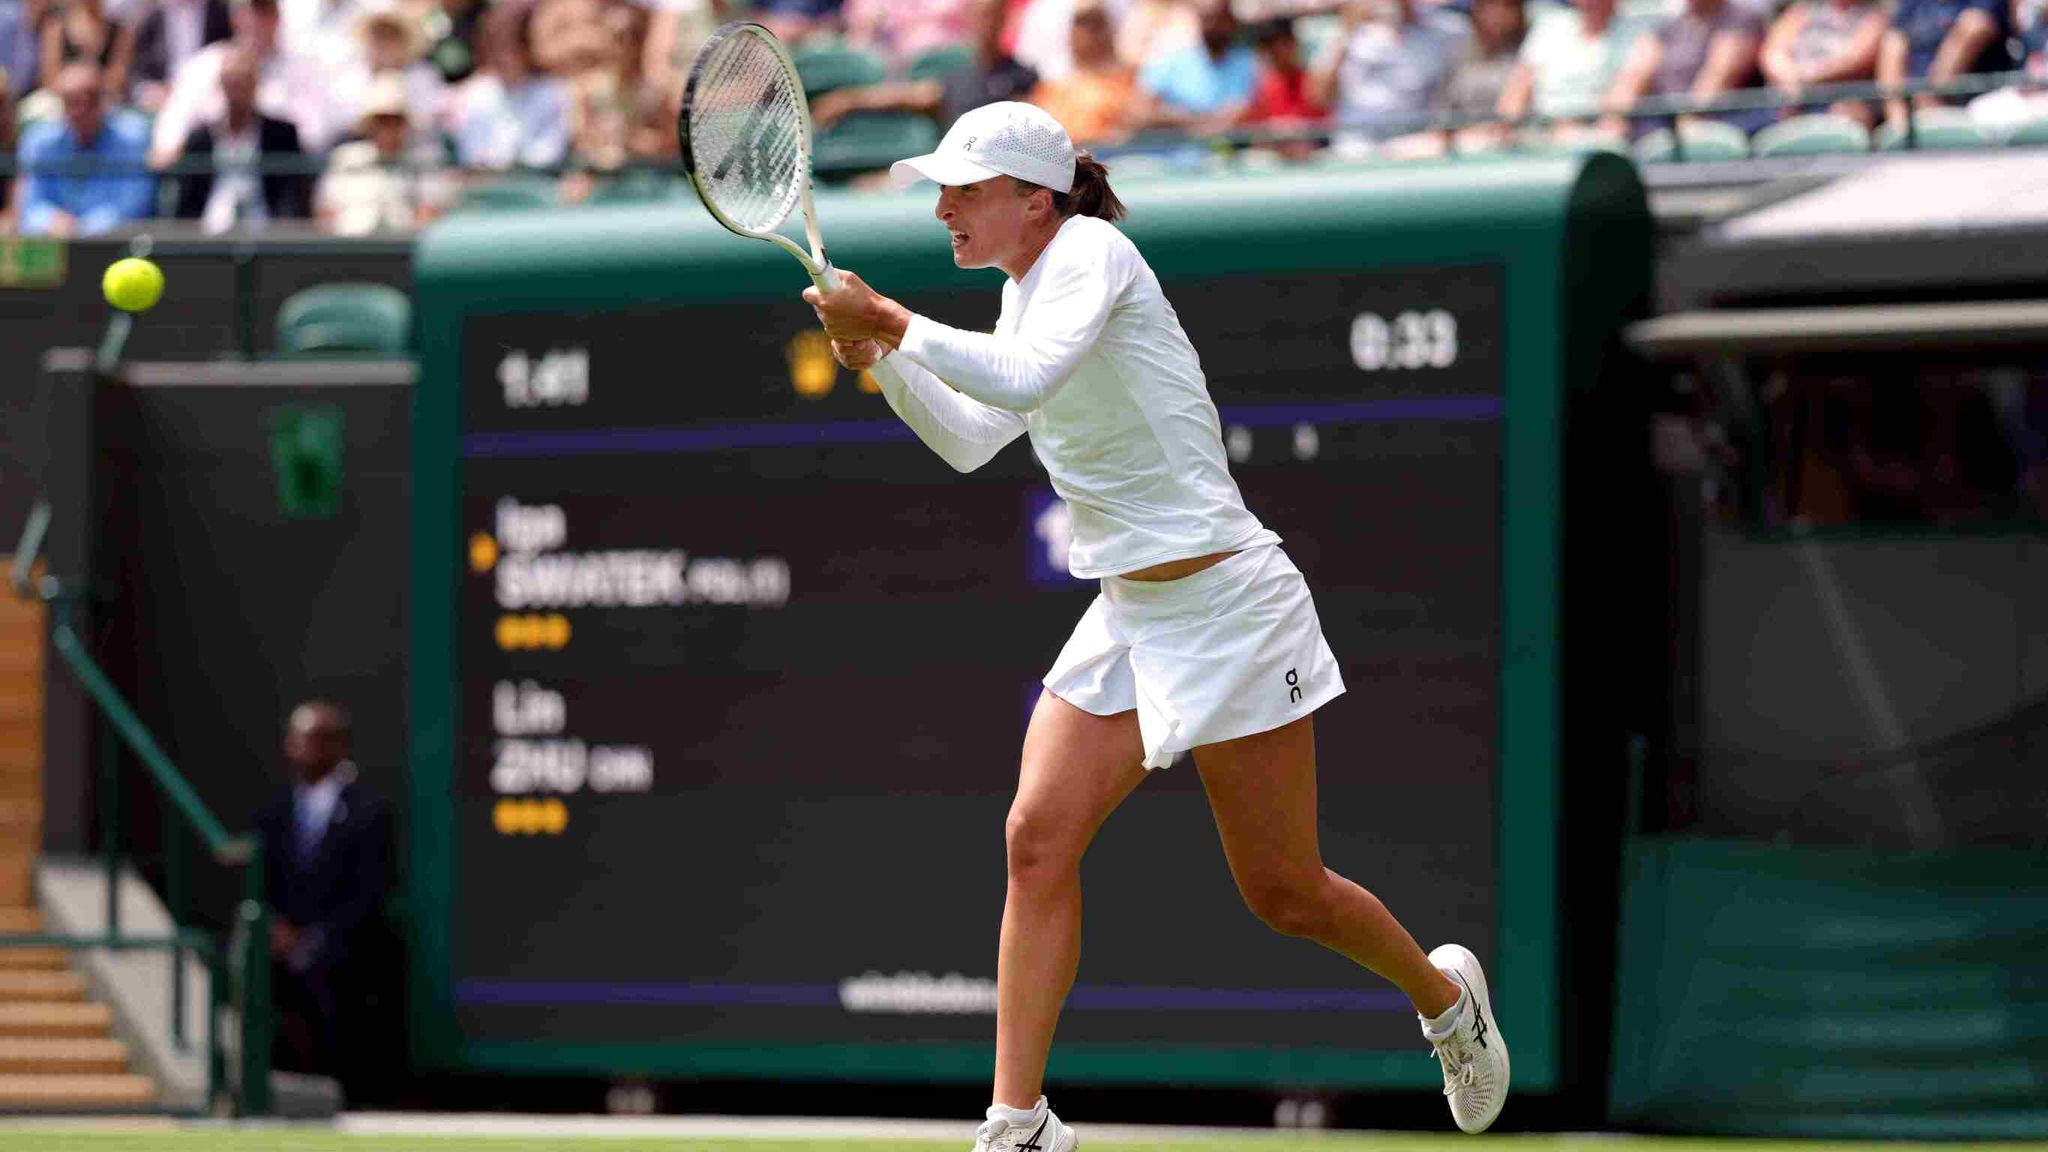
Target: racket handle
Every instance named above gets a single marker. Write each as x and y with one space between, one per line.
826 277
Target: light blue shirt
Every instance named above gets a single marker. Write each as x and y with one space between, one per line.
54 180
1390 75
313 805
501 127
18 49
1192 81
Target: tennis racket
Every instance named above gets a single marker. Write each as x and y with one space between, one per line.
745 132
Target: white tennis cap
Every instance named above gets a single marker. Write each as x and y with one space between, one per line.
1006 139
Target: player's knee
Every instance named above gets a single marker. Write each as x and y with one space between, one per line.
1039 847
1290 905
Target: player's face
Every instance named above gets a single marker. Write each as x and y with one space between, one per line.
987 221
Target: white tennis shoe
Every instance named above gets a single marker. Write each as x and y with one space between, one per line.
1040 1132
1474 1056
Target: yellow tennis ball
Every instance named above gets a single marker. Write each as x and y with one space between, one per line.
133 284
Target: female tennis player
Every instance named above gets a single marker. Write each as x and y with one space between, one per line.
1203 639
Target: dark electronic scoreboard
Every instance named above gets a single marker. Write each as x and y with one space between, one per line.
742 676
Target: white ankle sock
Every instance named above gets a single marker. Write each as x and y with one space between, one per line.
1442 1025
1016 1115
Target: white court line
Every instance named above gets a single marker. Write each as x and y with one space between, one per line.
752 1127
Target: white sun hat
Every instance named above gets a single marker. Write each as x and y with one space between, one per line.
1005 139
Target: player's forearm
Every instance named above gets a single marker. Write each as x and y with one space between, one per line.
1002 372
963 432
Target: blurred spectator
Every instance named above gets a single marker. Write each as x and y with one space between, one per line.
579 42
8 125
221 185
1092 101
172 33
1205 89
1282 102
902 30
1480 79
21 43
79 30
84 174
453 30
2001 111
289 86
1153 29
1939 41
795 20
2030 30
606 96
653 135
1568 64
394 179
675 30
510 113
568 37
390 43
323 31
1707 50
1387 68
1824 42
994 75
327 866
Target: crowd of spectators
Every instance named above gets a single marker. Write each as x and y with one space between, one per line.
369 115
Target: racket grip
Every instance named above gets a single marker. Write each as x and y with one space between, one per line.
827 277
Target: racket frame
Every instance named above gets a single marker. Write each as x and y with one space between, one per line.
814 261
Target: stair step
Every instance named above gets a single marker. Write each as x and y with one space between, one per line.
17 987
25 921
52 1018
17 876
42 1056
76 1091
33 959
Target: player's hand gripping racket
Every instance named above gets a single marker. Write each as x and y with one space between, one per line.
745 133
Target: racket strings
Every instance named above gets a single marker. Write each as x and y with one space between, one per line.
747 133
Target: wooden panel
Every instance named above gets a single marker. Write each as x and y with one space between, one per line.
43 1057
17 987
56 1093
55 1018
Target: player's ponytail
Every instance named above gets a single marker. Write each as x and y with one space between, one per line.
1091 194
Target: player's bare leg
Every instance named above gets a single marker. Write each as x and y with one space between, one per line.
1262 791
1077 767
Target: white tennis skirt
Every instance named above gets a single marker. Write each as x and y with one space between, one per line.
1232 650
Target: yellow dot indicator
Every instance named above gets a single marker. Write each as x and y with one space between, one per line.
521 631
527 816
812 371
483 552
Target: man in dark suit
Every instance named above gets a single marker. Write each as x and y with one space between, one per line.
327 864
222 188
172 32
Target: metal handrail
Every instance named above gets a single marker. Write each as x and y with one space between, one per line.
252 1089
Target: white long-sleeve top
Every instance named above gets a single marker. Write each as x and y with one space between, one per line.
1089 359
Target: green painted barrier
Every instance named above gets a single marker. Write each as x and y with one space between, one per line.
690 827
1775 991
